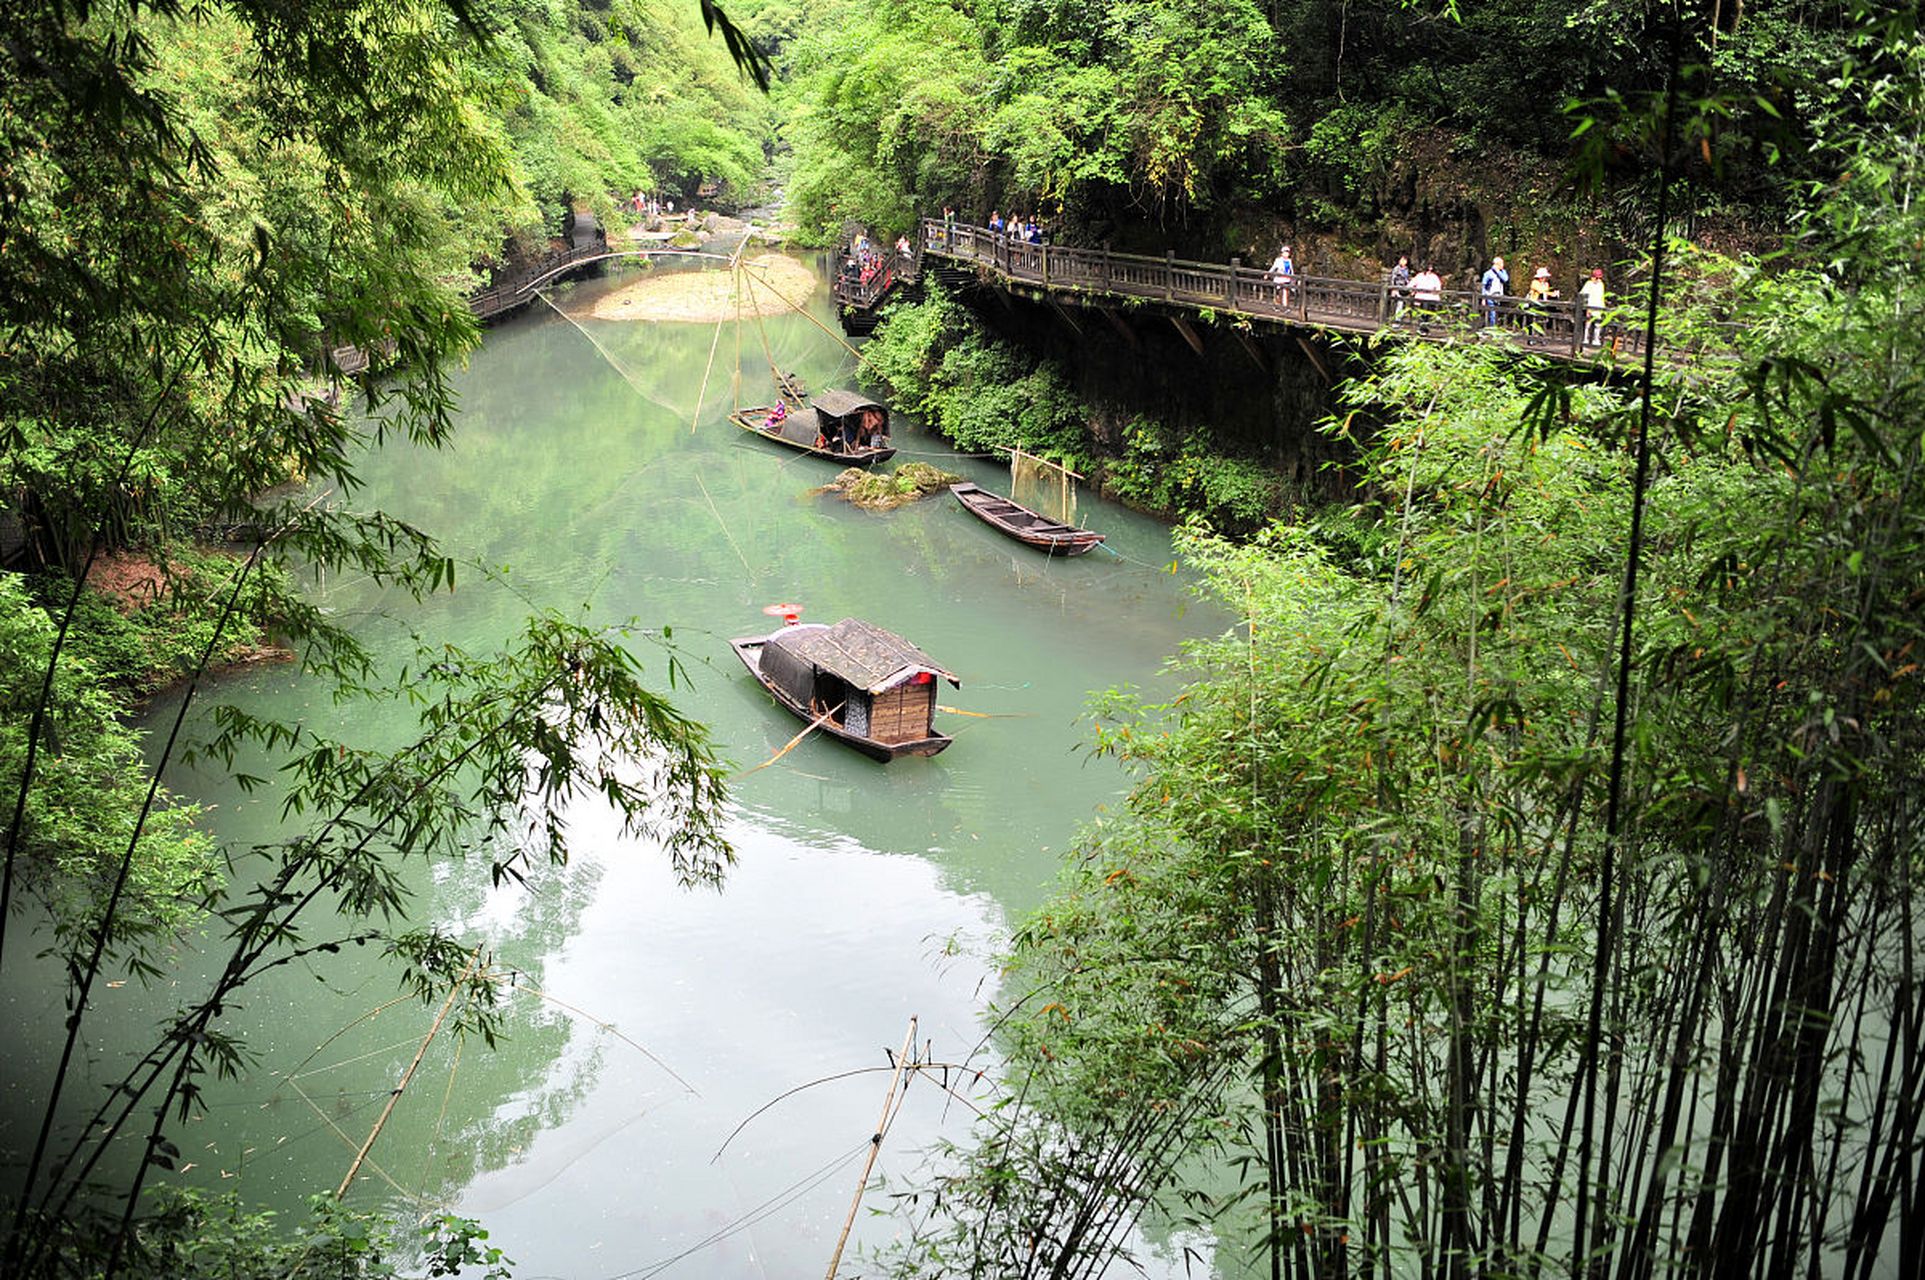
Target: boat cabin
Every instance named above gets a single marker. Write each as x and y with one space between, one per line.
885 686
848 421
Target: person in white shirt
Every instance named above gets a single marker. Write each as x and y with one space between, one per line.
1591 294
1280 271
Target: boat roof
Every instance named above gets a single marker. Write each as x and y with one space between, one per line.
836 403
860 652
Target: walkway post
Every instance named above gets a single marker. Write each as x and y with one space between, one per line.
1230 291
1044 255
1106 267
1169 275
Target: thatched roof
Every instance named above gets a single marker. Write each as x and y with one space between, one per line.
835 403
860 652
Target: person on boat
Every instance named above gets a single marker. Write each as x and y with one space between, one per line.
777 416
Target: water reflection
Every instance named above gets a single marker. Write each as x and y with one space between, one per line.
864 894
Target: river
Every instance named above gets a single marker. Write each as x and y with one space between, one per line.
651 1022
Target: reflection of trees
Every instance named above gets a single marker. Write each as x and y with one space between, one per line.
584 490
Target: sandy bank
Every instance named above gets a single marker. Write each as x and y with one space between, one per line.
770 283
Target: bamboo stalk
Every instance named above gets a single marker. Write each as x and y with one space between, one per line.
420 1053
817 723
875 1141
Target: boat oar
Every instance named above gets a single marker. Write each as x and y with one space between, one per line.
984 715
818 723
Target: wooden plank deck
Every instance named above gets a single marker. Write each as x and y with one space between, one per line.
1552 328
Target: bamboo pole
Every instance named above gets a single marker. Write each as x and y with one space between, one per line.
420 1053
794 742
701 391
875 1147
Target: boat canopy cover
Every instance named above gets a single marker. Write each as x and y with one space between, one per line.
861 653
835 403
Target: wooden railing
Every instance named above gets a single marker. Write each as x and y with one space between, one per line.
1557 327
505 295
851 290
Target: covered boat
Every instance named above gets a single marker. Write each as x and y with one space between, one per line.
843 428
869 687
851 421
1016 521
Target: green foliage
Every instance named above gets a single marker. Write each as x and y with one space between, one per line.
195 1236
197 205
920 103
1162 471
1454 935
90 786
161 640
985 394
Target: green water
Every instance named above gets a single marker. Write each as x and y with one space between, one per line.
864 894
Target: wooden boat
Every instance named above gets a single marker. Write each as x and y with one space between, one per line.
852 430
868 687
1019 522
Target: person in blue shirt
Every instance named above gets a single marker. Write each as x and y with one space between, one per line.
1496 281
996 221
1280 271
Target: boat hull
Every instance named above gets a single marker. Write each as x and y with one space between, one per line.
749 650
752 421
1020 524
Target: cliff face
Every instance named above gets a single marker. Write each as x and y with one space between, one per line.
1254 394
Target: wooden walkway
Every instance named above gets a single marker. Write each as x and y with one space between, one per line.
1552 328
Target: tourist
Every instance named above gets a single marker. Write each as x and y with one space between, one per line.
1035 233
996 221
1400 285
1536 299
1280 271
902 246
1426 291
1592 296
1496 280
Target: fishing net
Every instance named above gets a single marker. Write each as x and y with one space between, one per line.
1042 486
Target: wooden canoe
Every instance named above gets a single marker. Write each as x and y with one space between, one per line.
1016 521
749 650
798 431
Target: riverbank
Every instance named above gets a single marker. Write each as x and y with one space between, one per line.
768 284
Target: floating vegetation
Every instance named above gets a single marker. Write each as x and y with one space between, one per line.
887 490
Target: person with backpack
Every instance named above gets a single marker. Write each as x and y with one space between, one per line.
1399 286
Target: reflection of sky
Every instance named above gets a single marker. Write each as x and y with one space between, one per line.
578 482
809 964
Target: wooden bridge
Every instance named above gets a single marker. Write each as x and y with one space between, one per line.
858 294
1554 328
515 291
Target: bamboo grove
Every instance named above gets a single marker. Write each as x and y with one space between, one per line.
1369 931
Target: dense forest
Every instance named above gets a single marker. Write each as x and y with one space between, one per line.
1522 886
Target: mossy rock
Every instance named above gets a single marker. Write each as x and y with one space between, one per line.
887 490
